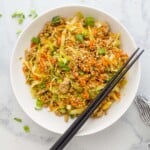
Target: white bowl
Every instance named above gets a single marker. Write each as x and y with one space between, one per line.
47 119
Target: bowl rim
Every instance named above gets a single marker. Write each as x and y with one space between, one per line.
40 16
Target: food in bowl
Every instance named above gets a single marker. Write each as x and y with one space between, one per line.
70 62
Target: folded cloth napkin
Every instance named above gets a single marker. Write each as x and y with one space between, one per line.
143 105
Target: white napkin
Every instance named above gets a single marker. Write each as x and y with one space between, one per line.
143 105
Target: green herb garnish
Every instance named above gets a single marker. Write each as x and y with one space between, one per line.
72 116
33 14
62 110
81 73
19 16
55 97
79 37
18 119
56 20
101 51
42 85
18 32
65 68
26 129
39 104
37 108
35 40
63 64
80 15
89 21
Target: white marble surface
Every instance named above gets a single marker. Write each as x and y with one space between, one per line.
129 133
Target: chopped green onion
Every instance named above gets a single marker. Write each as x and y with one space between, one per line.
20 20
66 68
98 88
79 37
18 32
102 51
76 87
37 108
55 97
85 33
26 129
81 72
56 20
35 40
42 85
39 104
63 64
80 15
62 110
63 61
19 16
33 14
18 119
89 21
72 116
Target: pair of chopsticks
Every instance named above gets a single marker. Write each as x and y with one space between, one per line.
78 123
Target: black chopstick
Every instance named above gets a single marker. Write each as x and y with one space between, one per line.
77 124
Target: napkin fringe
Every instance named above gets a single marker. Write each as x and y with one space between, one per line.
143 105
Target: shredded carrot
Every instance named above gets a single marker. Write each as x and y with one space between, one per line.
95 30
91 45
53 61
86 95
59 40
102 77
92 61
35 77
32 44
82 82
51 107
77 103
75 74
24 69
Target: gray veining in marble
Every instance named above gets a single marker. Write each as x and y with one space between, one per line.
129 133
